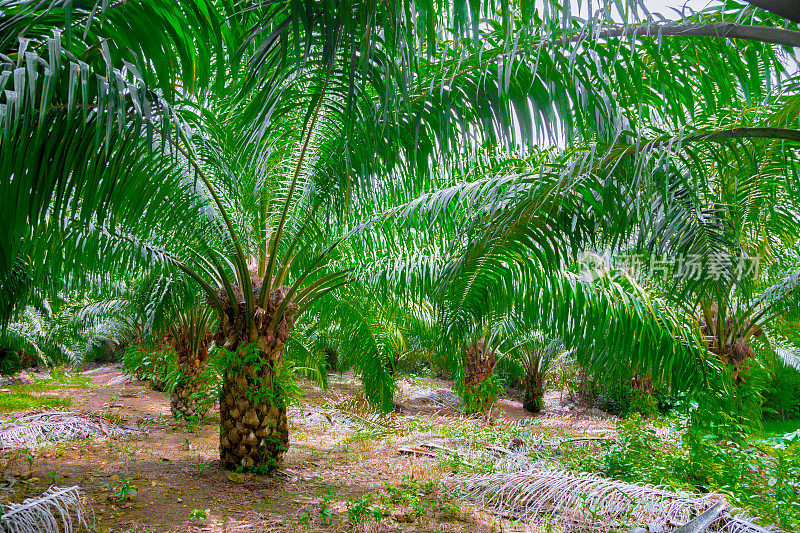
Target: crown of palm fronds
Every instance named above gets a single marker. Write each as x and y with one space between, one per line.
57 509
65 330
593 500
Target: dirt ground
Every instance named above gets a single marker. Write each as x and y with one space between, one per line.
174 471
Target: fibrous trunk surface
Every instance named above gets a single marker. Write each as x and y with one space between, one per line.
478 367
185 400
534 393
254 433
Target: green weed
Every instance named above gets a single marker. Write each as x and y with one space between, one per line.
20 401
200 514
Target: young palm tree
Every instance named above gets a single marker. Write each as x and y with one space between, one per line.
535 351
191 339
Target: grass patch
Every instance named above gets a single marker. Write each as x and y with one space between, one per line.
59 380
780 427
26 397
20 401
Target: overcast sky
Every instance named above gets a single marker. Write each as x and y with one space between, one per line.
665 7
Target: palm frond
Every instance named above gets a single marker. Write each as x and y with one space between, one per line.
31 430
57 509
592 500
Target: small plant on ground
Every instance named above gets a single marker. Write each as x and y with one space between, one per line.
115 418
202 467
190 423
29 457
420 497
324 512
124 489
359 510
200 514
451 462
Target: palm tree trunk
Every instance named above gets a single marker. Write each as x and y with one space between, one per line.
478 367
254 433
184 400
534 393
192 357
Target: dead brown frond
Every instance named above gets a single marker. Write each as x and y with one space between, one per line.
58 509
585 499
34 429
593 501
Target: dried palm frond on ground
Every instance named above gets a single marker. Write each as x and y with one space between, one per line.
362 413
592 501
439 397
7 483
740 524
250 522
355 413
315 417
480 454
34 429
58 509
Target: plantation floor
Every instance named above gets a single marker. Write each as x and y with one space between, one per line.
330 466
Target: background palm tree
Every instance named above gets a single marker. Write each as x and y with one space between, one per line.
535 351
191 338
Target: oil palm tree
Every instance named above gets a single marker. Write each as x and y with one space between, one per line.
644 168
535 351
190 339
172 207
740 277
245 143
